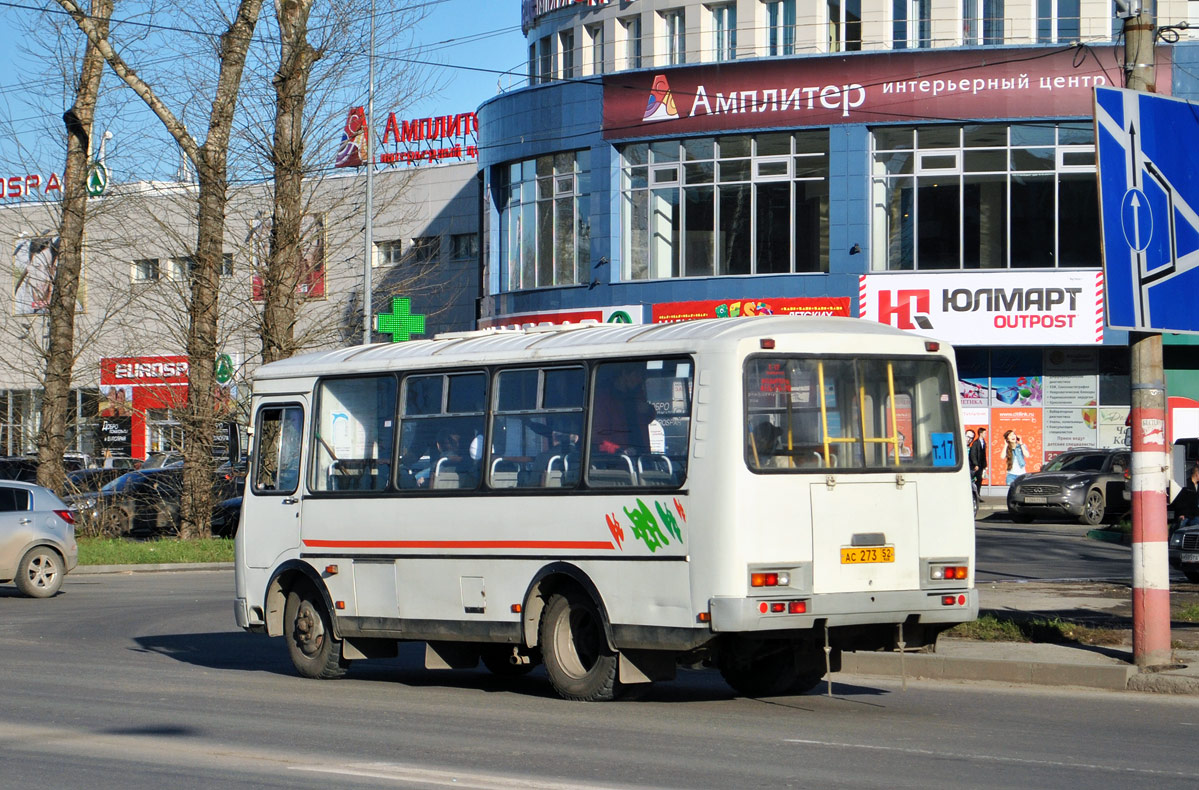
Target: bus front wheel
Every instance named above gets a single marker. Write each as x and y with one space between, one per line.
575 650
307 627
767 669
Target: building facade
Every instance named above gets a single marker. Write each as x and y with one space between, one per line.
131 370
929 165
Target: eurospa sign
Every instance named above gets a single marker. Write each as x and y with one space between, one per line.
413 142
983 308
862 88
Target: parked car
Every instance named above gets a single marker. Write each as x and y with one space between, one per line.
1088 485
146 502
18 467
37 538
1184 552
226 518
168 458
85 481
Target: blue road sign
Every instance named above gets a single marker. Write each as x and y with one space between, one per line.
1148 150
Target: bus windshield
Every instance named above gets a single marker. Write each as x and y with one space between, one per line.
863 413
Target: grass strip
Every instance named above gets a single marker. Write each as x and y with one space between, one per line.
990 628
118 551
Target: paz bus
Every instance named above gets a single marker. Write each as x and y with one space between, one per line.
611 501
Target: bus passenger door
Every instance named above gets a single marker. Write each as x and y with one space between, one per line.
270 523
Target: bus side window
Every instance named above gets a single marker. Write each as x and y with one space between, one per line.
277 461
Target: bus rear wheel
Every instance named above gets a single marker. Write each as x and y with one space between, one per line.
768 669
575 649
308 629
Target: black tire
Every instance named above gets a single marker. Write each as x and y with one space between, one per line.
575 649
40 572
116 522
1093 508
769 669
314 651
498 661
1192 576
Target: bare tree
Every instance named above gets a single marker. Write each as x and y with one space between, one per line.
61 352
210 159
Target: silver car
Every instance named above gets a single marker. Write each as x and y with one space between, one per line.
37 538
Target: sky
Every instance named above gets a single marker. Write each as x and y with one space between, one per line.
466 44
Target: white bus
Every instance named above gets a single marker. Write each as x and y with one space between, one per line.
754 494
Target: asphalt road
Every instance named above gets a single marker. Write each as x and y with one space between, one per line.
1045 550
142 681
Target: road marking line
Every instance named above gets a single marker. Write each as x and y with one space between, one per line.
410 773
988 757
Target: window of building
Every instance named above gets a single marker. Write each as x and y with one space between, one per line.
388 253
911 24
780 27
596 36
425 250
731 205
566 40
674 37
545 231
1058 21
724 31
464 246
144 270
982 22
545 59
632 42
985 196
533 64
845 25
182 269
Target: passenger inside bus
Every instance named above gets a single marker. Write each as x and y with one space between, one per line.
622 411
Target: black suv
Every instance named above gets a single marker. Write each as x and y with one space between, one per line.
1089 485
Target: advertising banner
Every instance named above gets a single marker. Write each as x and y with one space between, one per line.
1027 425
310 283
985 308
862 88
116 436
668 312
621 314
142 371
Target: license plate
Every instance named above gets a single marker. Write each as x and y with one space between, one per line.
862 554
1035 500
1189 557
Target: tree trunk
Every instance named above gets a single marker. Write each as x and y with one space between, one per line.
286 265
60 355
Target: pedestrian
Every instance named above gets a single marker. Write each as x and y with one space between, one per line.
1186 504
978 458
1016 455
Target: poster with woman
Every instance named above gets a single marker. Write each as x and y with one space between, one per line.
310 282
35 261
1025 426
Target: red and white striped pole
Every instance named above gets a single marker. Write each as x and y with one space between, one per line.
1150 558
1150 561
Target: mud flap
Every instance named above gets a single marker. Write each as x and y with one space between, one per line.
450 655
646 666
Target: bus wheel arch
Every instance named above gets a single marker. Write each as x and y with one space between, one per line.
286 577
559 578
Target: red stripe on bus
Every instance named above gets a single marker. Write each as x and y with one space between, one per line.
459 544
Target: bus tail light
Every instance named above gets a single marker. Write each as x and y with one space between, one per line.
770 579
948 572
797 607
953 600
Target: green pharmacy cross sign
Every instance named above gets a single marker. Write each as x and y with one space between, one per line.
401 323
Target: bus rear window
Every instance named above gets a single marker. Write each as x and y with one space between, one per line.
863 413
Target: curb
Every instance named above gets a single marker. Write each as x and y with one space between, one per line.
91 570
925 666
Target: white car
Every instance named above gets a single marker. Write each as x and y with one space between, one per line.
37 538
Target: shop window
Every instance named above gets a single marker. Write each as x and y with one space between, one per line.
984 196
725 206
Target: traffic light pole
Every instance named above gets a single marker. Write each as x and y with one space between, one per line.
1150 562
